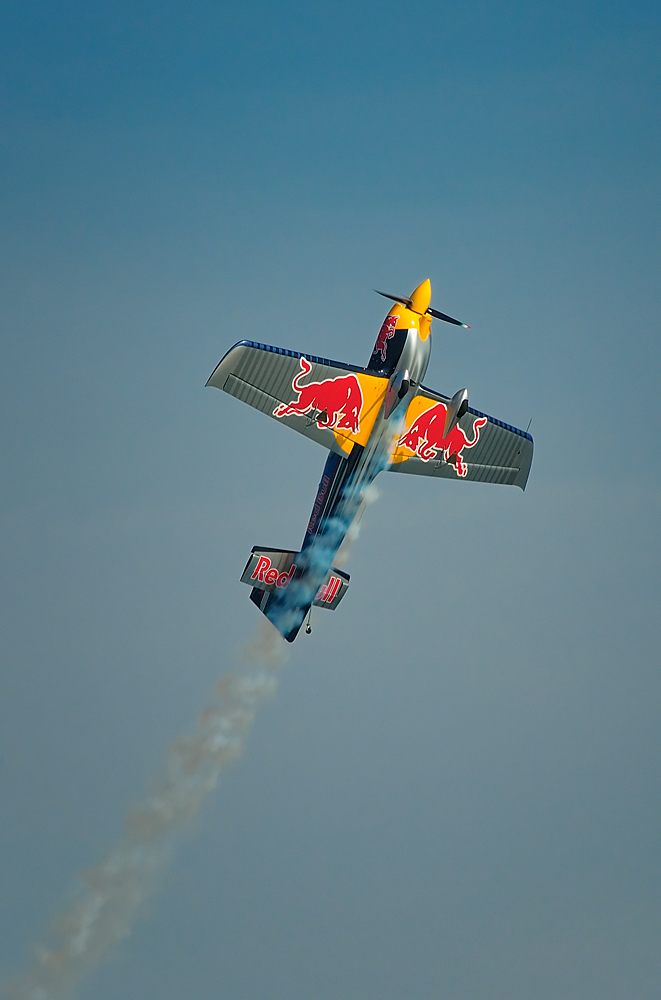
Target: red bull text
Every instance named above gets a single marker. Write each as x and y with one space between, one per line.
266 573
327 592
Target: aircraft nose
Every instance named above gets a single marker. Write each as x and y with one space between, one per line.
421 297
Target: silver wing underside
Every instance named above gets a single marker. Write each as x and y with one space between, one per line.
261 376
502 454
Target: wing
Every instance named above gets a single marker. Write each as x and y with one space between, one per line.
479 448
332 403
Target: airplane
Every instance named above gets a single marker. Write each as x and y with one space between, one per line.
370 420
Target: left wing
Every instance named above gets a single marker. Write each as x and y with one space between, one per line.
334 404
478 448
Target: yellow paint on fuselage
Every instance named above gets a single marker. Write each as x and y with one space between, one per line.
416 317
406 318
425 326
374 390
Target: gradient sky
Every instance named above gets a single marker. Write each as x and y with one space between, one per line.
455 793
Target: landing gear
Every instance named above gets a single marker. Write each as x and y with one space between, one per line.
308 626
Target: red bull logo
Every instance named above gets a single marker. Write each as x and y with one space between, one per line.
386 333
425 438
337 402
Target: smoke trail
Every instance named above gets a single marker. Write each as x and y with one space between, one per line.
288 607
110 896
370 495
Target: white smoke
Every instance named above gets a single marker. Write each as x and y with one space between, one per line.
370 494
111 895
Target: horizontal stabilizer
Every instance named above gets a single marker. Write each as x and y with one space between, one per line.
269 569
272 570
332 589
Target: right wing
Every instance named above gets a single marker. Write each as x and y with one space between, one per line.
332 403
478 448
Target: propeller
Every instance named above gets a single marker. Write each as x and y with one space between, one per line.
448 319
432 312
395 298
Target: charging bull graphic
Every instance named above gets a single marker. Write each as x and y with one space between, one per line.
386 333
425 438
337 402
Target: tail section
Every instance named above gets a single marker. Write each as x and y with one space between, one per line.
270 572
269 569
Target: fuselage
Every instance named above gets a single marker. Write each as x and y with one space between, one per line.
401 354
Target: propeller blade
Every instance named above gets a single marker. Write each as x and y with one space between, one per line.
395 298
447 319
432 312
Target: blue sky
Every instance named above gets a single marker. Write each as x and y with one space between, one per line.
455 792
